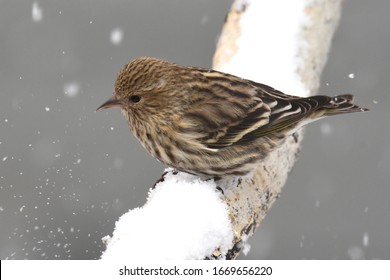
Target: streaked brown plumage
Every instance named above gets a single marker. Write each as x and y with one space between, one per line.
211 123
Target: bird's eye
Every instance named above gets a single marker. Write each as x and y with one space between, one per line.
135 98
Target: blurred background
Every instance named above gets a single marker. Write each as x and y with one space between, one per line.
67 173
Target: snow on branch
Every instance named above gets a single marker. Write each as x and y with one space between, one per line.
184 218
276 42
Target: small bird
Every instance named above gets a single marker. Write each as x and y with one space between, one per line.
209 123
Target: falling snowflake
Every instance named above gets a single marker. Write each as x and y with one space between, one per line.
116 36
36 12
326 128
366 239
71 89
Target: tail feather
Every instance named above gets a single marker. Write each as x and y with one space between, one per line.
290 113
341 104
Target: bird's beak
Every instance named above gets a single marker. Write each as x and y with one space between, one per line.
112 102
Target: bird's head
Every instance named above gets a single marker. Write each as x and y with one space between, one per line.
144 90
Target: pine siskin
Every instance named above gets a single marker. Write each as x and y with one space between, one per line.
210 123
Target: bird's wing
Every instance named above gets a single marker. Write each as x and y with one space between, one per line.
223 110
227 110
218 124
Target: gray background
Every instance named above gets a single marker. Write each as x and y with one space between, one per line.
67 173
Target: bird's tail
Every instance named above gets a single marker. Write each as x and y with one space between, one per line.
301 111
340 104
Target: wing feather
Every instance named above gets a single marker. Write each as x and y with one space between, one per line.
233 111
